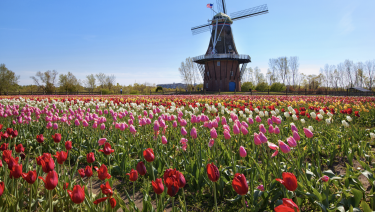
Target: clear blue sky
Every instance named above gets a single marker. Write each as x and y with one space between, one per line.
146 41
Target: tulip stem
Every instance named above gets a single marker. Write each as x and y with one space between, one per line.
30 196
172 204
134 190
214 196
183 194
90 188
244 203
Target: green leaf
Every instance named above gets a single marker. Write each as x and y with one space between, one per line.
321 206
236 199
329 173
309 174
357 196
365 207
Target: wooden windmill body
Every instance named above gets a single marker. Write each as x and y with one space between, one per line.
222 67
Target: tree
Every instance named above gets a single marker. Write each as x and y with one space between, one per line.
293 66
282 67
90 82
110 81
188 72
47 80
348 65
272 63
259 77
68 82
8 79
101 79
370 68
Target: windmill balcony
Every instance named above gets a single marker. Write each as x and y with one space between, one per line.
241 58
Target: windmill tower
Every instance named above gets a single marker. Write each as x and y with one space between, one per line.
222 67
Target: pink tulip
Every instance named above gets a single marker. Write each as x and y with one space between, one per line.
236 130
243 152
294 128
132 130
213 133
284 147
262 129
49 125
263 138
156 126
291 141
276 130
275 153
85 124
102 126
102 141
227 135
164 140
244 130
296 136
325 178
308 133
258 119
211 142
272 146
193 133
95 125
260 187
269 121
183 131
174 125
257 139
223 120
76 122
55 126
250 120
270 129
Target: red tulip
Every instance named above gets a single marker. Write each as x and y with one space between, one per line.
30 177
289 181
107 149
81 172
239 184
1 188
172 175
61 157
148 154
16 171
103 173
51 180
5 135
66 185
40 138
133 175
141 168
48 164
6 155
158 186
106 189
1 127
172 188
96 168
68 145
9 131
213 172
14 133
88 171
181 180
78 194
11 162
100 200
288 205
90 157
4 146
19 148
56 137
113 202
1 163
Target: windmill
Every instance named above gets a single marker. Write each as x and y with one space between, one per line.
220 66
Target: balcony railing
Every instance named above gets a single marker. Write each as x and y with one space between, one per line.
221 56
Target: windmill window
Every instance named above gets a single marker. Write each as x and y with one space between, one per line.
231 73
207 85
208 73
229 46
218 63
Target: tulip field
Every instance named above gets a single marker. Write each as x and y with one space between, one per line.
187 153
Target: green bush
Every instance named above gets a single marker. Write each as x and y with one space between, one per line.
134 92
105 91
263 86
159 88
277 86
246 86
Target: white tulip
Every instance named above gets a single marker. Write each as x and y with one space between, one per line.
261 114
290 108
313 115
303 121
330 114
294 117
266 113
277 111
349 118
311 128
273 113
320 116
286 114
372 135
328 121
256 110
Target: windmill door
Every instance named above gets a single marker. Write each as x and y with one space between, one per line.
232 86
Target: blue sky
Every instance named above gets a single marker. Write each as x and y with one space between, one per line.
146 41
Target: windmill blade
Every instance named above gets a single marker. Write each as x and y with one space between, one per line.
221 6
254 11
200 29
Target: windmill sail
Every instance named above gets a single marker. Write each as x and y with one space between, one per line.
254 11
200 29
221 6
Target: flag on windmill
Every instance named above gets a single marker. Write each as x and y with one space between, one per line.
209 5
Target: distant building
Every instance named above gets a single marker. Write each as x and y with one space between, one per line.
173 86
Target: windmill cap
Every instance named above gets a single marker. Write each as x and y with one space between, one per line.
222 18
